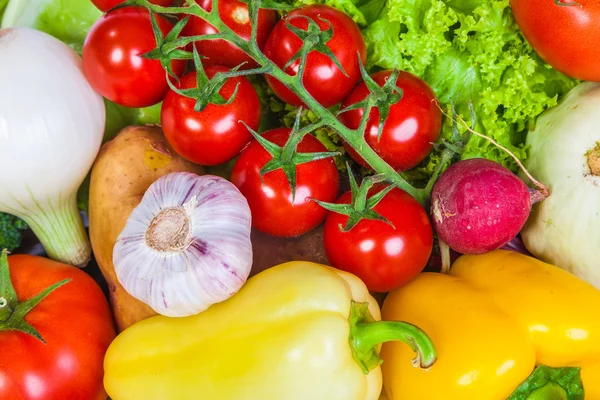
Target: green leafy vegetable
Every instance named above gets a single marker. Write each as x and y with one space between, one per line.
11 231
470 51
67 20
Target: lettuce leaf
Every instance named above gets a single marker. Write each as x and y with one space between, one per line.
469 51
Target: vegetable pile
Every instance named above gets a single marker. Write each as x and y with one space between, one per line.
241 199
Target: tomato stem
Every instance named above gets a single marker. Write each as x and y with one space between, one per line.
313 41
12 313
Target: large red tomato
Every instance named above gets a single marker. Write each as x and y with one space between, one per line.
565 33
322 78
214 135
385 257
113 62
270 198
411 128
235 15
74 321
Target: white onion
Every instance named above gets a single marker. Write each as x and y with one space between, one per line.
187 245
51 128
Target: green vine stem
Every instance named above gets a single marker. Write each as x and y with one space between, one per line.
171 47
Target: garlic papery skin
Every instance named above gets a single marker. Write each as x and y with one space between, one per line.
51 128
186 246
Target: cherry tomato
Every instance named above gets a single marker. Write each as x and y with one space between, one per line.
76 324
322 78
106 5
384 257
113 62
565 33
235 15
411 128
270 198
214 135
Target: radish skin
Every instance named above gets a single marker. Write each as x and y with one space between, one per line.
479 206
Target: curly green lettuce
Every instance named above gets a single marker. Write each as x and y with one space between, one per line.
467 51
470 51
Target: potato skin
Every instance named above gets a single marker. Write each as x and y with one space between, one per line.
124 169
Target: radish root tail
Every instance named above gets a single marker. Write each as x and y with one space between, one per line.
544 191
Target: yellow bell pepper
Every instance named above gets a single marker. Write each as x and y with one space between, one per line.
297 331
493 319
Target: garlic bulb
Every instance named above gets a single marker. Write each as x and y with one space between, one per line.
187 245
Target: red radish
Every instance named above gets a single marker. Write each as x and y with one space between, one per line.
478 205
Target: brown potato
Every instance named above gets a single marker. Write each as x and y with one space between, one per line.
125 168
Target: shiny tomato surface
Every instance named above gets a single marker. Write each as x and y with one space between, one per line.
113 62
235 15
385 257
322 78
76 323
565 33
411 128
274 211
216 134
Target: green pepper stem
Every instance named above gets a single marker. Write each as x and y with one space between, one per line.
369 335
552 391
366 334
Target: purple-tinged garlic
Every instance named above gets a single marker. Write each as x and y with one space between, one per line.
187 245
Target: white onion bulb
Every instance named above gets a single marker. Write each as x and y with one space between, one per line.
187 245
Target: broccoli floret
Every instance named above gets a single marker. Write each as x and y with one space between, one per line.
11 231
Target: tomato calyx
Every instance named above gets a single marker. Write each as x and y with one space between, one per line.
361 205
287 158
313 39
207 90
159 53
13 312
381 97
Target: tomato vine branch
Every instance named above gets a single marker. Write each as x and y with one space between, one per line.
313 40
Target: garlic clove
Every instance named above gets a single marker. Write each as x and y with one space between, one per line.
187 245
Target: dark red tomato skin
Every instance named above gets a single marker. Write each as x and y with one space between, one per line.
214 135
76 323
112 59
322 78
565 36
234 14
106 5
384 257
273 211
411 129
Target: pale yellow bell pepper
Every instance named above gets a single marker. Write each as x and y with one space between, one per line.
297 331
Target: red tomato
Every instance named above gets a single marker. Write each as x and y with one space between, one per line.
384 257
214 135
105 5
112 58
322 78
273 211
411 128
234 14
565 35
76 323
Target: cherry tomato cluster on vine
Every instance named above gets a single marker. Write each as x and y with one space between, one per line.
384 255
